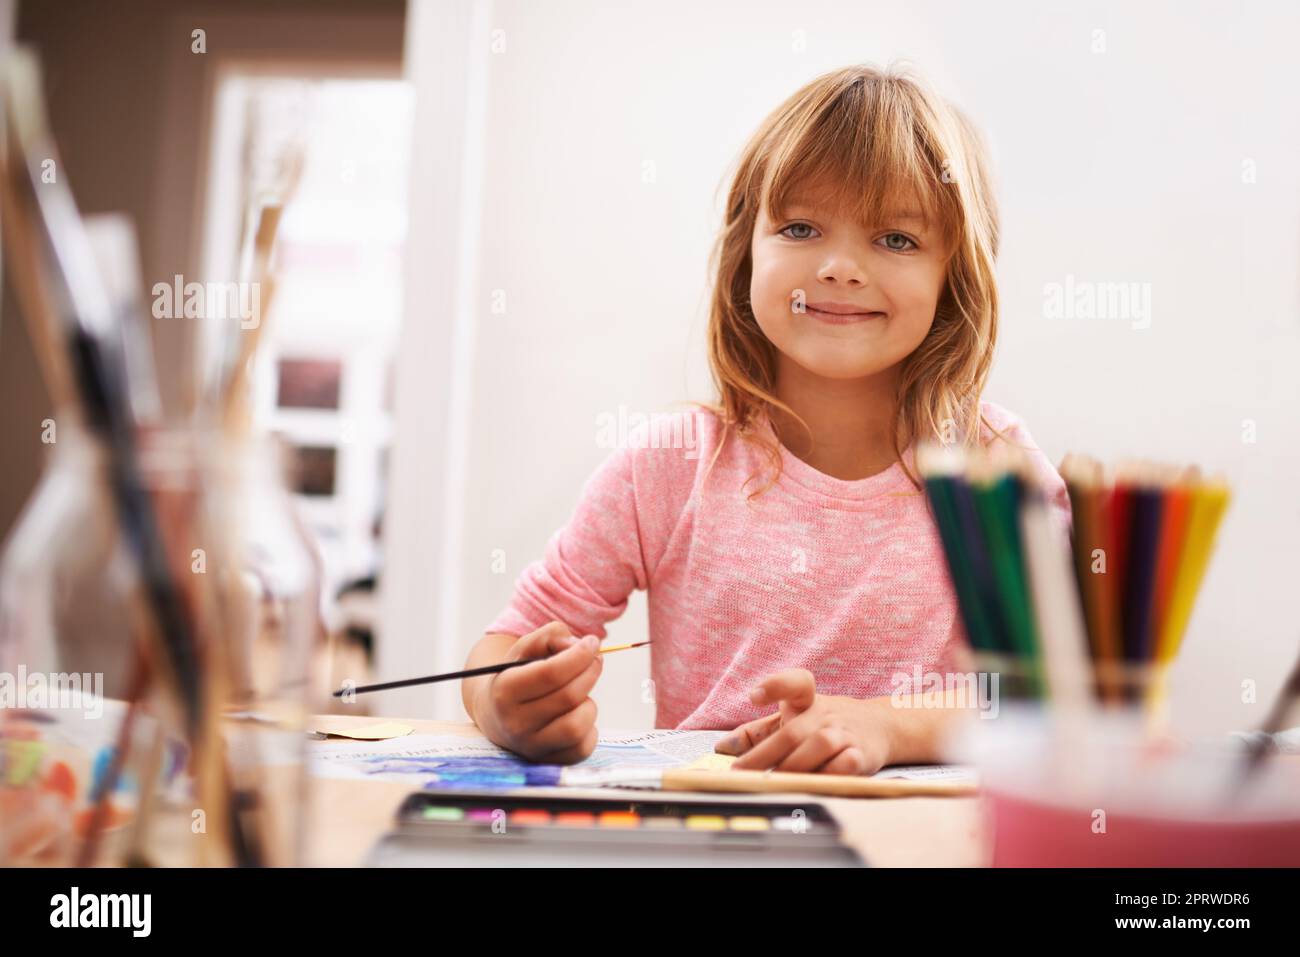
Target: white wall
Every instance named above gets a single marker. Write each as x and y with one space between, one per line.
1122 165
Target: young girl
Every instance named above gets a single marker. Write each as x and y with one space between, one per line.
795 573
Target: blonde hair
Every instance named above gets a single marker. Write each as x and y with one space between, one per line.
876 136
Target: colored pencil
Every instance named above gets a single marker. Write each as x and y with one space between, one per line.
1113 597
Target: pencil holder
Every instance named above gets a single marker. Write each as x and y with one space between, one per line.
125 646
1120 684
1016 679
1103 793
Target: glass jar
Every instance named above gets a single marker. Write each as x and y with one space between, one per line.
156 717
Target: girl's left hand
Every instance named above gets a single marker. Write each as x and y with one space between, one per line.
830 734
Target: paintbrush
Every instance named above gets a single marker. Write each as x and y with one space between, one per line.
748 782
64 295
71 301
470 673
731 781
1262 741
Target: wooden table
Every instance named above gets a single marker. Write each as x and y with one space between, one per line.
347 817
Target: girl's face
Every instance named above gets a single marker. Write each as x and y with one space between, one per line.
842 301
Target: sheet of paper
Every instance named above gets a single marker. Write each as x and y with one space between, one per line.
955 773
681 746
711 762
431 759
452 760
379 731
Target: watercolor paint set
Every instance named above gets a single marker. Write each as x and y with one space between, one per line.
468 828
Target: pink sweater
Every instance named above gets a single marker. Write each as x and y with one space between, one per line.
844 578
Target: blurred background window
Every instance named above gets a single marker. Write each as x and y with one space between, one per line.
323 369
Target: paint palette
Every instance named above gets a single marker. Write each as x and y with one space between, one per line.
478 829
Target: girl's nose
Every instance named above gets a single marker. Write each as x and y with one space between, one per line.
843 267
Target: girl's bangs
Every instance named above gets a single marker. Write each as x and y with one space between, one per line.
867 155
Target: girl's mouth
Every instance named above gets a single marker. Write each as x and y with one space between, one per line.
842 318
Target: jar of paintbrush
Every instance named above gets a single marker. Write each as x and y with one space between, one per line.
156 625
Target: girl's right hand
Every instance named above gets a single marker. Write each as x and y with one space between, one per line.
543 711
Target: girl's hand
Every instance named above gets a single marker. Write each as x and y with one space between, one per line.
543 711
830 734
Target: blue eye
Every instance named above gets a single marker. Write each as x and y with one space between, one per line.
898 249
786 230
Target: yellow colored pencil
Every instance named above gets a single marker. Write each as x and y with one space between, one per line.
1208 504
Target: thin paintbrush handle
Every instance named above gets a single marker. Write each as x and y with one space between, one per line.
107 784
85 319
1259 749
431 679
834 785
471 673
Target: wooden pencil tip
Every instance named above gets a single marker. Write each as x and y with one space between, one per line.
938 460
